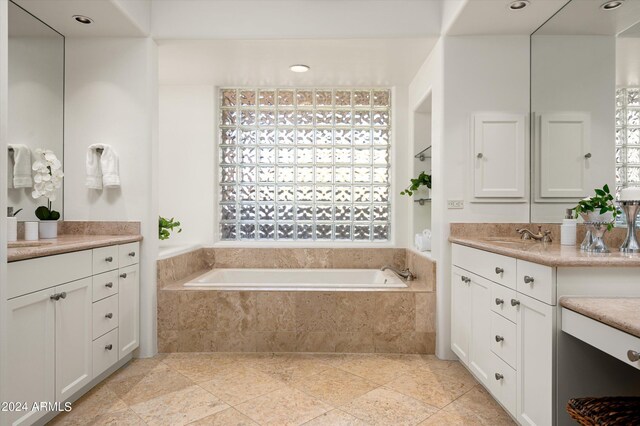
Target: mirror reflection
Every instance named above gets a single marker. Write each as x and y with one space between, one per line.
36 112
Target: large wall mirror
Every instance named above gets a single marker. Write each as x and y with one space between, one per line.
36 105
585 104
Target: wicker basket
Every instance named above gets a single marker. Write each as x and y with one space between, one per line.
623 410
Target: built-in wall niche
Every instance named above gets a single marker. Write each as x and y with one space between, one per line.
422 153
36 104
582 62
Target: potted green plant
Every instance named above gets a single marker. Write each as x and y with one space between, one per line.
166 227
421 183
598 208
47 181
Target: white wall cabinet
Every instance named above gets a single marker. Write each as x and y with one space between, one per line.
499 155
53 349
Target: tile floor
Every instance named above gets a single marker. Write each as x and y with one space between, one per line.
287 389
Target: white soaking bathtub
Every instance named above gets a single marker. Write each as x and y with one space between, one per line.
298 279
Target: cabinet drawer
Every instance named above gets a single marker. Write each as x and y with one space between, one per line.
105 352
503 339
129 254
494 267
501 298
105 285
105 315
105 259
28 276
503 384
537 281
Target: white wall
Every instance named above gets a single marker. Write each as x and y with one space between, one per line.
111 97
186 161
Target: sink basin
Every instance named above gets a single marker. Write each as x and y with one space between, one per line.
25 244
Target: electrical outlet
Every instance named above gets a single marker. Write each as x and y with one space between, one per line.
455 204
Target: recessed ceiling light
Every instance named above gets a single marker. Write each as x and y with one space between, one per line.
611 5
299 68
83 19
518 4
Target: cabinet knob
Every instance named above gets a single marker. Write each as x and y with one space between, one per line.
55 296
132 254
108 347
633 355
465 280
479 155
108 259
499 376
587 155
123 275
528 279
63 295
499 338
515 302
499 301
499 270
109 315
108 285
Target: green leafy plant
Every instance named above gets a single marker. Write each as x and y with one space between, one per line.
423 179
14 214
166 227
47 213
601 203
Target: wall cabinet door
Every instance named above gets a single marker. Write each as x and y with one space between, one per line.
535 368
30 353
563 157
480 360
73 337
460 313
499 156
129 310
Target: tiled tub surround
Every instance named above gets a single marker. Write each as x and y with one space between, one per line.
196 320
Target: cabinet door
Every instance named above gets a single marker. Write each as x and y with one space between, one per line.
480 344
535 367
564 155
499 156
30 353
129 310
73 337
460 313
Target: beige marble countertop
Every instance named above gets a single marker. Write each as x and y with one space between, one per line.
622 313
66 243
554 254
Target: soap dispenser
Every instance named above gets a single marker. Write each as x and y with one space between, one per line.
568 229
12 225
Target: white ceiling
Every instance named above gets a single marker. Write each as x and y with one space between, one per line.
281 19
493 17
355 62
585 17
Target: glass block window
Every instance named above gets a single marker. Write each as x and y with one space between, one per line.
304 164
627 138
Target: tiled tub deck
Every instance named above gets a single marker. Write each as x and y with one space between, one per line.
394 320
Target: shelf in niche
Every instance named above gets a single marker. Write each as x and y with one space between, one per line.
422 201
424 154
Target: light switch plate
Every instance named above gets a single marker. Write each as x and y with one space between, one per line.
455 204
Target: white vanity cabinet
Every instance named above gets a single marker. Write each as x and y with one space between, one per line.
63 324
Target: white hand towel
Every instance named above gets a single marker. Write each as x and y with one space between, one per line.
102 167
10 168
21 166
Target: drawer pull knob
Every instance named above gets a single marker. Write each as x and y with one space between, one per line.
499 376
108 285
55 296
132 254
63 295
123 275
109 315
515 302
528 279
108 259
499 270
109 347
633 355
499 301
499 338
466 280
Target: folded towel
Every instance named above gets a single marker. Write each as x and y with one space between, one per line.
10 162
102 167
21 166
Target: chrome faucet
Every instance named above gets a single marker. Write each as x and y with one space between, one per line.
526 234
405 273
